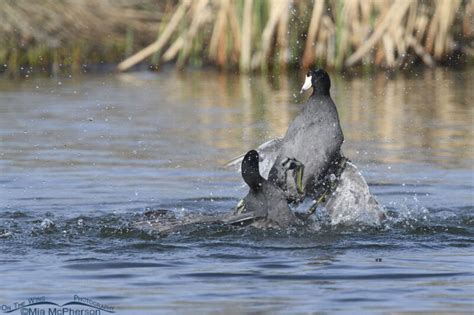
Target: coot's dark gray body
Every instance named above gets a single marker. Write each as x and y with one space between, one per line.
265 206
267 202
314 138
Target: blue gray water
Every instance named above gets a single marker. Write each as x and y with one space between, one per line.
84 158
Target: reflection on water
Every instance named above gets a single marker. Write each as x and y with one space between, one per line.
424 117
427 116
94 153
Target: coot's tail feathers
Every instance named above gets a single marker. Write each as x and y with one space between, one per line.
268 152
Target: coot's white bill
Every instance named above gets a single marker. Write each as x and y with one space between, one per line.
307 83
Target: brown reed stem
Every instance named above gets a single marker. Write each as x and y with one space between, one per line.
160 42
308 55
246 37
394 15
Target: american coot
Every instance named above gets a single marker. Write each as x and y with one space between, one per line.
267 203
265 206
312 145
314 138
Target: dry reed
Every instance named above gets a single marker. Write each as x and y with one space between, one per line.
44 33
248 35
339 34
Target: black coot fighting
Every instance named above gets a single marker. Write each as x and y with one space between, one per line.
308 164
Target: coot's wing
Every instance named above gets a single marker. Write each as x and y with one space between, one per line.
352 202
241 219
268 152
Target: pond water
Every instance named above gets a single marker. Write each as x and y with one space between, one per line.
95 153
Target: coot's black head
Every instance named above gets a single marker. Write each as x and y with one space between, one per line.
319 80
250 170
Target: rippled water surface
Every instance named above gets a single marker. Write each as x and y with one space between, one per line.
85 159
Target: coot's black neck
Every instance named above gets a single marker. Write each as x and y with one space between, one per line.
321 89
250 170
252 178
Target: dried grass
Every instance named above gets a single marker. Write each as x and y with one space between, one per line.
339 34
240 34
